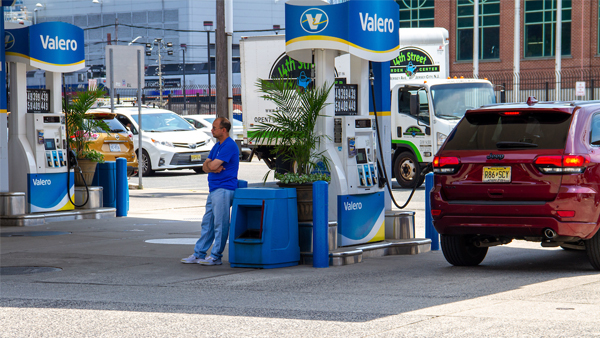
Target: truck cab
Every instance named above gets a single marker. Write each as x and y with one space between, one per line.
437 106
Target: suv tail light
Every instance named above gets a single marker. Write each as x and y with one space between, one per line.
445 165
566 164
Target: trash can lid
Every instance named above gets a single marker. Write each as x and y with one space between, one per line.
264 193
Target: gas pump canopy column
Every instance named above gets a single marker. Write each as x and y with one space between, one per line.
37 146
368 31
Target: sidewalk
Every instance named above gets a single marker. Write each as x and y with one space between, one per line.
112 278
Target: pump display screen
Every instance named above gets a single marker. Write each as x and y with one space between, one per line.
49 144
361 156
362 123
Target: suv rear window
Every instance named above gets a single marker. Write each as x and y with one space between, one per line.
510 130
114 125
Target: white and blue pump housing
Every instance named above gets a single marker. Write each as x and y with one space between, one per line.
368 31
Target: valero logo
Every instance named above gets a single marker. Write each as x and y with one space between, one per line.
9 40
314 20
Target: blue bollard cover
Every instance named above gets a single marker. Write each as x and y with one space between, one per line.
122 191
430 231
320 224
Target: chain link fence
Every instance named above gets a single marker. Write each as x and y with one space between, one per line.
197 100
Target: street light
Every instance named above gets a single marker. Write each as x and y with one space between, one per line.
208 27
184 49
134 40
160 46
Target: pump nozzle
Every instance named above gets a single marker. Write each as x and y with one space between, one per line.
72 158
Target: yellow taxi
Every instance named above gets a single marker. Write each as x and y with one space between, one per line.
116 144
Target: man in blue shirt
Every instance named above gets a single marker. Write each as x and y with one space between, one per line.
222 167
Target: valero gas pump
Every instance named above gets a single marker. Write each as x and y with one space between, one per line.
367 30
38 162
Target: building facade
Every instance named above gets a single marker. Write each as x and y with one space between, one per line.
178 22
537 23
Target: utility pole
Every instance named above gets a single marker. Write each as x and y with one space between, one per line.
221 60
160 45
184 48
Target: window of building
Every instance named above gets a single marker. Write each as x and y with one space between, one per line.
540 28
416 13
489 29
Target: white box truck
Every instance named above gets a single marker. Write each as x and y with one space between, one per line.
420 70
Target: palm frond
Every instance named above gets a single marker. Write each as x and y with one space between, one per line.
291 129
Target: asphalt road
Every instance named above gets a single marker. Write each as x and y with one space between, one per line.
116 281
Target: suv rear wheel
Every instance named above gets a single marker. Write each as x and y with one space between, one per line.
460 251
592 248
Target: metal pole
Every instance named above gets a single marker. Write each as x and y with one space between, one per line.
209 70
184 97
160 79
139 98
229 32
3 117
558 51
516 51
476 39
112 81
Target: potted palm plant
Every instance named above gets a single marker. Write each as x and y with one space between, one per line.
291 132
82 132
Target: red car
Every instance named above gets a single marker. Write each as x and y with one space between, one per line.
528 171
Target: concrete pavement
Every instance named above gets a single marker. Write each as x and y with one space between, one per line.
114 280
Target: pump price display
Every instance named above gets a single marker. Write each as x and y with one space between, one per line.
346 99
38 101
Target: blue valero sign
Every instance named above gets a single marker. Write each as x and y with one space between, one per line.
52 46
365 28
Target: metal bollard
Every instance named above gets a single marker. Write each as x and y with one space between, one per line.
320 225
430 231
122 190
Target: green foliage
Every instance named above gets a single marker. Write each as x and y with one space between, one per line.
82 129
292 178
291 130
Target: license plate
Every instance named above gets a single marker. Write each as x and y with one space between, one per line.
115 147
195 158
496 174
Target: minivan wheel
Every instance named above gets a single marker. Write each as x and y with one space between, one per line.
146 164
460 251
407 170
592 248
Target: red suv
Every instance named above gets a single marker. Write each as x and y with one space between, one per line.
528 171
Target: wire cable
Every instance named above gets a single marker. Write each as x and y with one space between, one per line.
382 164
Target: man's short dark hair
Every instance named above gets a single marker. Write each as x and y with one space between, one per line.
224 123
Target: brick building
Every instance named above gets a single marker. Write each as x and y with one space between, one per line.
537 24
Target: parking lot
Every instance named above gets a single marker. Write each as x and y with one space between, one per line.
116 281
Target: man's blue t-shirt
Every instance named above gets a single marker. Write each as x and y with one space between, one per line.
228 152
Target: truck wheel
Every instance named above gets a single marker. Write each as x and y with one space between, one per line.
407 170
459 251
146 164
592 247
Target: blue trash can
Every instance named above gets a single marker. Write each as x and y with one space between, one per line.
264 228
106 177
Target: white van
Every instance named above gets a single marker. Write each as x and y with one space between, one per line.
168 141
